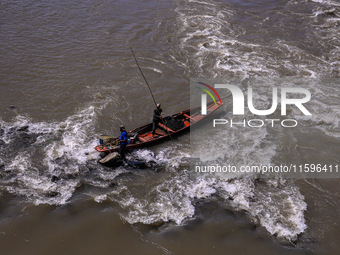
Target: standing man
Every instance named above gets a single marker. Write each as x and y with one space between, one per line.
156 119
123 139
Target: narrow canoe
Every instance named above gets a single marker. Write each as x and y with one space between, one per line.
142 136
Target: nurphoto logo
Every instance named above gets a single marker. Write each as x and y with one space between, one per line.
238 105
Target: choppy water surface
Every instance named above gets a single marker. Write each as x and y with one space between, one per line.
67 75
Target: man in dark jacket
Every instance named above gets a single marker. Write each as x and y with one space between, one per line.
123 139
156 119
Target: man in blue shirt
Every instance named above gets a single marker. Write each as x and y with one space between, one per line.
123 141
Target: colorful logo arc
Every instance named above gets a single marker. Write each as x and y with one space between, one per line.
213 90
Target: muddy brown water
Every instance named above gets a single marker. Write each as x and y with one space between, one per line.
67 75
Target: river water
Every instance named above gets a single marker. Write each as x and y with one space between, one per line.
67 76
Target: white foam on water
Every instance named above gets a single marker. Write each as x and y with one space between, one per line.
170 200
105 177
65 148
74 144
155 70
100 198
145 154
36 187
280 209
211 43
328 2
171 157
325 108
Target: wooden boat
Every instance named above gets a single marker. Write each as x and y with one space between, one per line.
142 136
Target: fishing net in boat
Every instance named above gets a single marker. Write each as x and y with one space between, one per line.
173 124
